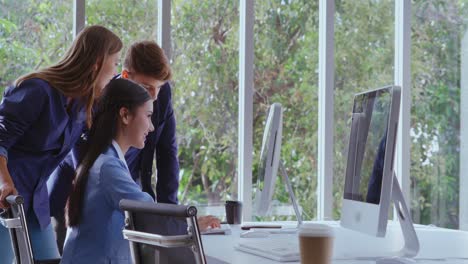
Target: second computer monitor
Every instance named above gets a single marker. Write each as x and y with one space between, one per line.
269 160
369 170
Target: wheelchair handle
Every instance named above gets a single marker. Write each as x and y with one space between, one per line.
15 199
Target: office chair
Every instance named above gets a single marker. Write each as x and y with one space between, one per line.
162 233
14 219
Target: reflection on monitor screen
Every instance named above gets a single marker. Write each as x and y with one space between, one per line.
370 123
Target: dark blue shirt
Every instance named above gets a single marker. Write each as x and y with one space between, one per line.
36 133
140 162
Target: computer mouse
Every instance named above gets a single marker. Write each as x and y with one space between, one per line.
254 234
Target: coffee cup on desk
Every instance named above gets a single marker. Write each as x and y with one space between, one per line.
233 212
316 243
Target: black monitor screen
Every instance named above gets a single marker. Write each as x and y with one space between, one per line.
367 146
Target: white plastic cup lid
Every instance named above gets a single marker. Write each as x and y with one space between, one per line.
315 230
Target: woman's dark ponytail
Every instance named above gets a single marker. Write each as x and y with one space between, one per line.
117 94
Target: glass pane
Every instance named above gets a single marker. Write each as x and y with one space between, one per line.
286 64
364 60
33 34
205 39
131 20
438 28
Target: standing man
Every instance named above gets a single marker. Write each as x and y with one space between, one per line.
146 64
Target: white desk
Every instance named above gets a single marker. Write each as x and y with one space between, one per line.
448 246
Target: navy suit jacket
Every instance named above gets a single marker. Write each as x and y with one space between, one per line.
37 130
140 162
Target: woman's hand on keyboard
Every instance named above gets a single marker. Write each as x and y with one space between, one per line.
209 221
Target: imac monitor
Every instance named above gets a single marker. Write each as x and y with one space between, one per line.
369 171
270 163
269 160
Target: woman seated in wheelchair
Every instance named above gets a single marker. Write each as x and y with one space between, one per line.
122 120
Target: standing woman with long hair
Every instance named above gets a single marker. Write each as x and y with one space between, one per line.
41 118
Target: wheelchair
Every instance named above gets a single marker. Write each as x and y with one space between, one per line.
14 219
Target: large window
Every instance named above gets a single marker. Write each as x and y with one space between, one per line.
364 60
286 61
205 54
33 34
438 28
205 40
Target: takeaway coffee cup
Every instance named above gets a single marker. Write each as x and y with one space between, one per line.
233 212
316 243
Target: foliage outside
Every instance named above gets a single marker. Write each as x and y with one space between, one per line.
205 40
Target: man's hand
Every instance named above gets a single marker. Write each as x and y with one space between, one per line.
209 221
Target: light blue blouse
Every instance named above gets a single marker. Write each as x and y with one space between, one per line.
98 238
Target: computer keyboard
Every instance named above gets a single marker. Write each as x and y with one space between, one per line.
223 230
277 230
279 249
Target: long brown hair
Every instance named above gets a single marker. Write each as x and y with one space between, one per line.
75 74
147 58
117 94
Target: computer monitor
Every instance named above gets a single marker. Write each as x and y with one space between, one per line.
270 162
370 183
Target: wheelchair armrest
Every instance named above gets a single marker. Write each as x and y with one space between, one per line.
157 240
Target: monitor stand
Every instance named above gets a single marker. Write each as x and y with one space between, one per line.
411 246
283 230
291 194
